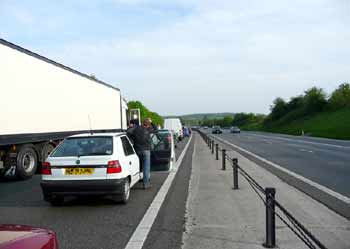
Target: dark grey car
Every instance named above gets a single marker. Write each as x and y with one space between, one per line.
235 129
216 130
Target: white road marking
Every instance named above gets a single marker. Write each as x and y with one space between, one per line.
301 141
144 227
308 181
267 141
303 150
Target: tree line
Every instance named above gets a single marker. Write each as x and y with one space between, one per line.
313 100
226 121
239 119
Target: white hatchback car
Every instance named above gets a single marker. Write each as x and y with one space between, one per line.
91 164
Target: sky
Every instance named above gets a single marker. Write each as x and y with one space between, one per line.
191 56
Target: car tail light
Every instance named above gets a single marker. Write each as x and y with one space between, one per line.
114 167
46 168
168 138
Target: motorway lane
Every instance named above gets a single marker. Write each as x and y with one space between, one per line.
308 139
323 161
169 225
80 223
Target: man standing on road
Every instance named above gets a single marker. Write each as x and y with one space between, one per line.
141 136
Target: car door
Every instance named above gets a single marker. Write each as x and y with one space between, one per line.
131 159
161 149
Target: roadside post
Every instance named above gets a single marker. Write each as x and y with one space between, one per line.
270 218
217 151
223 159
235 173
212 146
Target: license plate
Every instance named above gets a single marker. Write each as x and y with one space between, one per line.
79 171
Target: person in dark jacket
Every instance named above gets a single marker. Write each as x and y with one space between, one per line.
141 136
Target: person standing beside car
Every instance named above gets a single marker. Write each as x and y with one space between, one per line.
141 136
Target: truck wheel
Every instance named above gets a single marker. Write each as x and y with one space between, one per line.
27 161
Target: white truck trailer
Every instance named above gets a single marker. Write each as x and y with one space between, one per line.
42 102
174 125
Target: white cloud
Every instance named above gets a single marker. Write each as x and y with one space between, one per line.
224 56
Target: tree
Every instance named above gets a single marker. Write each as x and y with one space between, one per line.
145 112
278 108
340 98
295 103
315 100
227 121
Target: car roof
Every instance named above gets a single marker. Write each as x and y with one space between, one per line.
98 134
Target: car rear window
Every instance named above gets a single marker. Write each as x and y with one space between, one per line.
128 150
84 146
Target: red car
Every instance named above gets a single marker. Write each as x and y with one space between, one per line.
21 236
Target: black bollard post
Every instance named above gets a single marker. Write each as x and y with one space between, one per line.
235 172
217 151
223 159
270 218
212 146
209 142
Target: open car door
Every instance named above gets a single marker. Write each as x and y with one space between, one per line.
162 151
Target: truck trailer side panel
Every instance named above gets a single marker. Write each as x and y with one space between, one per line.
42 102
40 97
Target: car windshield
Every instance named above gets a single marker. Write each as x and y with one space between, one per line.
84 146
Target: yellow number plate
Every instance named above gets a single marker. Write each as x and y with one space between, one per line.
79 171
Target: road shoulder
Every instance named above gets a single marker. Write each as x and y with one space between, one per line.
219 217
330 198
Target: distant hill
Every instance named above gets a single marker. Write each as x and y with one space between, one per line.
200 116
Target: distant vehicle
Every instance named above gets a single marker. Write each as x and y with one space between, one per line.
28 237
162 150
91 164
216 130
235 129
205 127
174 125
46 102
186 131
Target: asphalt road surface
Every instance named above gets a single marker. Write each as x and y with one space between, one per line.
98 223
324 161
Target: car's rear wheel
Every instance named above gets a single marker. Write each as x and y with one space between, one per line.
56 200
126 192
125 195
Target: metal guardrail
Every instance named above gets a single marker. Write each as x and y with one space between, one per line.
269 201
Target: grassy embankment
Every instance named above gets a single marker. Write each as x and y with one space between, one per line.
329 124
